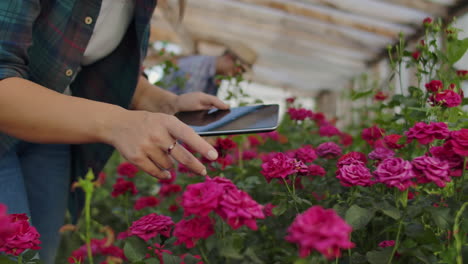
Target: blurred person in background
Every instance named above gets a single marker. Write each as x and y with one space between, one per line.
201 71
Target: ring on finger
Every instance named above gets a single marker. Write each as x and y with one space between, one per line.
171 147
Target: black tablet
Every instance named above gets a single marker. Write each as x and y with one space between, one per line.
237 120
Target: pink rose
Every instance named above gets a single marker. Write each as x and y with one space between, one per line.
395 172
352 157
201 198
380 96
127 169
434 86
448 98
99 247
290 100
188 232
431 169
371 134
254 141
268 210
381 154
249 155
169 189
278 166
459 142
427 21
387 243
446 153
122 186
299 113
354 175
225 144
151 225
305 154
21 236
328 130
238 209
144 202
391 141
416 55
328 150
322 230
426 133
316 170
346 139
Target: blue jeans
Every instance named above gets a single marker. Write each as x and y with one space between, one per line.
35 179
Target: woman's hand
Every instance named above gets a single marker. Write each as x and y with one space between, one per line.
145 138
197 101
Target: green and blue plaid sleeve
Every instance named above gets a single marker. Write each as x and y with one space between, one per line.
16 21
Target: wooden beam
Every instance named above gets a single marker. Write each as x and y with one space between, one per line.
332 16
170 13
426 6
233 11
381 10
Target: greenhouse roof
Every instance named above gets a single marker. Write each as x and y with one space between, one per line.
306 45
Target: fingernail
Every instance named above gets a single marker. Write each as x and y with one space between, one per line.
167 175
203 172
212 154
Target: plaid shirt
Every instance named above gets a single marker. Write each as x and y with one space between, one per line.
44 41
200 73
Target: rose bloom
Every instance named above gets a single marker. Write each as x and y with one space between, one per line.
426 133
316 170
462 73
448 98
353 157
427 21
354 175
169 189
459 142
434 86
225 160
328 150
21 237
430 169
381 154
328 130
387 243
395 172
446 153
182 257
238 209
201 198
391 141
249 155
278 166
173 208
225 144
268 210
371 134
254 141
122 186
346 139
322 230
299 113
127 169
380 96
188 232
319 118
305 154
416 55
144 202
290 100
151 225
273 135
99 247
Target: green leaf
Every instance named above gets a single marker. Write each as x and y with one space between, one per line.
357 95
441 217
379 256
135 249
280 209
6 260
29 255
389 210
170 259
358 217
229 249
301 261
253 256
152 261
456 49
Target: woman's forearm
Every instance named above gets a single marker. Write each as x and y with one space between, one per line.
34 113
151 98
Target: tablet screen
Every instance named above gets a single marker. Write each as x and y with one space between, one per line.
237 120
